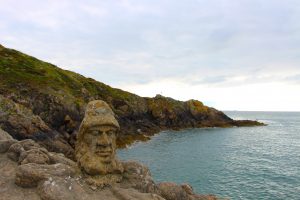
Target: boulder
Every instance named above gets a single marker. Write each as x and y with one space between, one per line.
139 177
18 148
172 191
8 189
5 145
58 188
37 155
29 175
132 194
4 135
187 188
35 162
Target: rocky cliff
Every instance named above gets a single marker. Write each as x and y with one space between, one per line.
29 171
42 102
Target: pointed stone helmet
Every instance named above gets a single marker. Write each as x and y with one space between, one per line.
97 113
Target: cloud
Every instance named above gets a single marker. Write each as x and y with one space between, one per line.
202 44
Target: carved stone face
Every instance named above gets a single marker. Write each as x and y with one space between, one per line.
101 142
96 141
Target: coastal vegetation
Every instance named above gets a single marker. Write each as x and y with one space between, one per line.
41 101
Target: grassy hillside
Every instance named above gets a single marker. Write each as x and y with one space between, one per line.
58 97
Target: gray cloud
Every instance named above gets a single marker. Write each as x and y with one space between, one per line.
139 41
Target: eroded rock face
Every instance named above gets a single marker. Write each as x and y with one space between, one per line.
96 141
29 171
21 121
58 179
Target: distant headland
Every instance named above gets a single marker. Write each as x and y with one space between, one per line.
45 109
43 102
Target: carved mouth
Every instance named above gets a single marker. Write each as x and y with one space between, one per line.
105 153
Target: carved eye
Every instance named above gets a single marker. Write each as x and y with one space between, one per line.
94 132
110 132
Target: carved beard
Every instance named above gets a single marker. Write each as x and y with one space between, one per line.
92 164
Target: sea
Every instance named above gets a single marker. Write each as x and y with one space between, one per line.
236 163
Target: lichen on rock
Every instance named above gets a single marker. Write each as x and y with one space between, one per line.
96 144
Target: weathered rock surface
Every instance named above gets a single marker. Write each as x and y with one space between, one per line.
4 135
23 124
51 176
139 177
43 102
5 145
172 191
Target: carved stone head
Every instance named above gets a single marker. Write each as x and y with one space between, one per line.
96 140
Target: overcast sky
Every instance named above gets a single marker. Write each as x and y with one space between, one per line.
230 54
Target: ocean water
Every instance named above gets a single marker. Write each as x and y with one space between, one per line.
238 163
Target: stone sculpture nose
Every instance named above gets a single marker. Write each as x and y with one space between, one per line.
103 140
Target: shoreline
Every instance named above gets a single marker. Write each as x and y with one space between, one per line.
129 140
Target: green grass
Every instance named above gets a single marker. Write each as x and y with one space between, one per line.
17 68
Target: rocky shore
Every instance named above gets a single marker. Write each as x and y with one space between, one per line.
42 110
54 178
29 171
42 102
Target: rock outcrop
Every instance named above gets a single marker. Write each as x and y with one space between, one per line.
23 124
29 171
42 102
